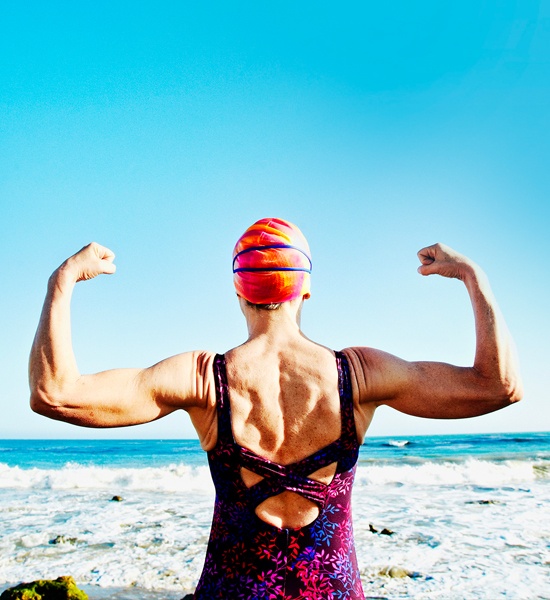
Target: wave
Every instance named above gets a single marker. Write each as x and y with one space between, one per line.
184 478
398 443
172 478
469 472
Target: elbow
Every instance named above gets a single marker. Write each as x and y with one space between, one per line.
43 403
515 392
510 391
38 401
495 393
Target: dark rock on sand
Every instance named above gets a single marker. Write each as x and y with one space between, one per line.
62 588
61 539
398 572
384 531
116 499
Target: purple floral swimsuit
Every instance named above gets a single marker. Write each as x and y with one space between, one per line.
249 559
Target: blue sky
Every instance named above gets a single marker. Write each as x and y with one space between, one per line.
162 130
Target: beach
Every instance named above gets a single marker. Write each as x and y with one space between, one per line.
460 516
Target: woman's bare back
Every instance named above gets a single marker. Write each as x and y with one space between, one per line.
284 406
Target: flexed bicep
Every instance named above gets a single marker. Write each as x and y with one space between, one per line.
124 397
440 390
426 389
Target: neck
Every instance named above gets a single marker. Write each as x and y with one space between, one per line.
282 322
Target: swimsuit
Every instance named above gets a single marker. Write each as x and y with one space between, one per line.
249 559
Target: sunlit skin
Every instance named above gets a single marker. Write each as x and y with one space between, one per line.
283 386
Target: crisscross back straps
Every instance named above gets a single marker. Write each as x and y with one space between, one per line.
292 478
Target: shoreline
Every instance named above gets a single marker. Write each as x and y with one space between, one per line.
96 592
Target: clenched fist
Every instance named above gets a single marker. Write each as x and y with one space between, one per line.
91 261
439 259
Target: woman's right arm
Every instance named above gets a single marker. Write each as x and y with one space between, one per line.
113 398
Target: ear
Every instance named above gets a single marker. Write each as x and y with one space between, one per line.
242 304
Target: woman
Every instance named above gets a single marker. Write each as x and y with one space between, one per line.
281 417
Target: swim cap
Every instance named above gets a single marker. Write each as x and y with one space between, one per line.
272 263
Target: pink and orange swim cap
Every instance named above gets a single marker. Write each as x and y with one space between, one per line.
272 263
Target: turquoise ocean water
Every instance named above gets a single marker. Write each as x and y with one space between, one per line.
470 515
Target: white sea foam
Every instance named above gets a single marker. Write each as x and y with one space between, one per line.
172 478
183 478
472 471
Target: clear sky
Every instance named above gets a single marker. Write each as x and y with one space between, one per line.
163 129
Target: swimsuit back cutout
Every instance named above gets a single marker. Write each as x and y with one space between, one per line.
249 559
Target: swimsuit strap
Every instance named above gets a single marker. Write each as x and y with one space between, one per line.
346 397
349 440
225 433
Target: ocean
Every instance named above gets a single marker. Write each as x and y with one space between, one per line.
466 516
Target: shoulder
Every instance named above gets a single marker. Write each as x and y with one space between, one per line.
362 369
190 385
199 371
363 361
185 379
375 373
